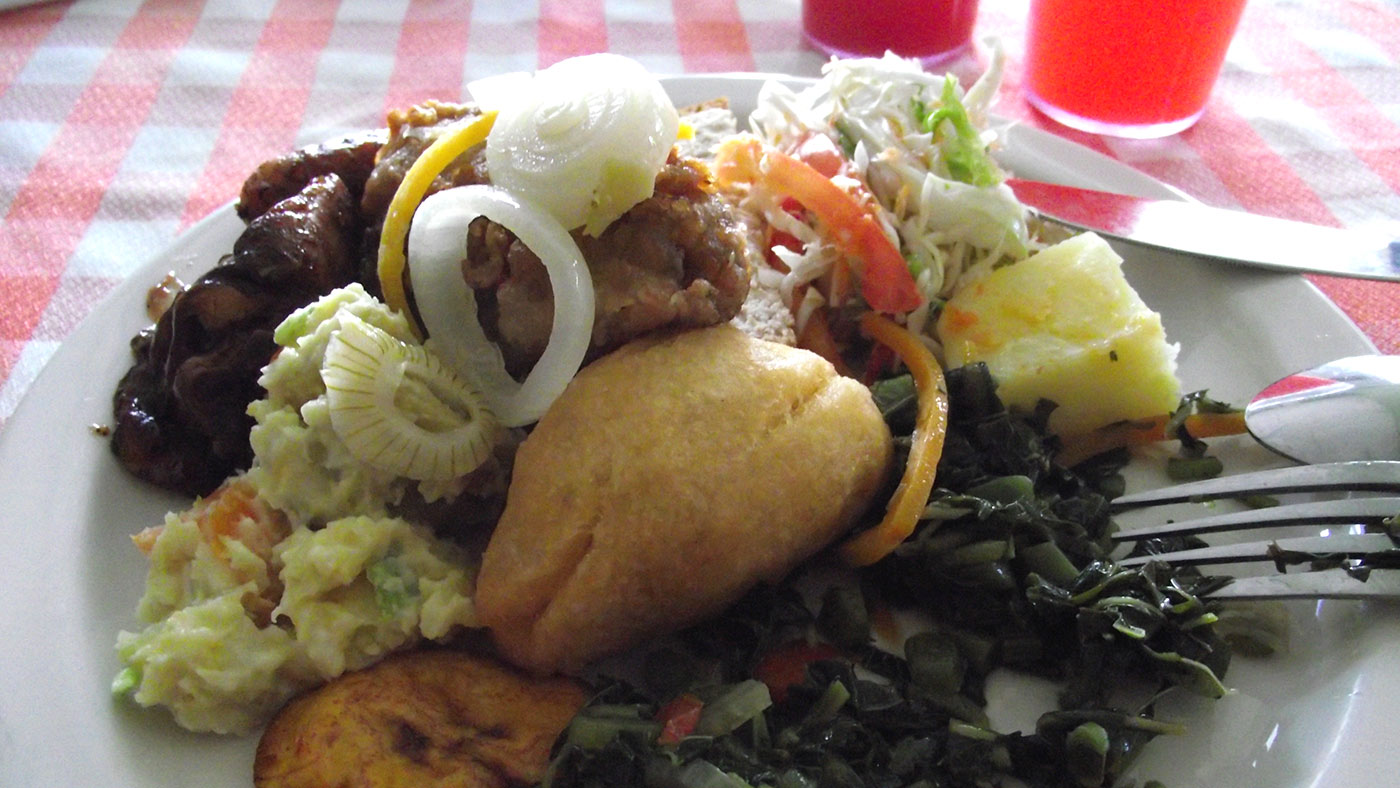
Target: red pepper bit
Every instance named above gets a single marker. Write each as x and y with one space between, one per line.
787 664
679 718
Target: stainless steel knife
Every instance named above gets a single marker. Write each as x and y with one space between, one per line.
1203 231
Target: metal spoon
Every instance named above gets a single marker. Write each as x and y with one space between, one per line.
1347 409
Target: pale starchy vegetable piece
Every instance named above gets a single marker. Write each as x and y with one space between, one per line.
1065 325
236 622
430 719
205 648
670 477
362 587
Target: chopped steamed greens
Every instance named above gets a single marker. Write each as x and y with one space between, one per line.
1010 565
1194 463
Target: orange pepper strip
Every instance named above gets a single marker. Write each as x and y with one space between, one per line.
886 282
930 428
1078 448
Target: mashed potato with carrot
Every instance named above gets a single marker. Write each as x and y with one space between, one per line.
294 572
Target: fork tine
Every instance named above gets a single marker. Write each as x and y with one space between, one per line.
1369 476
1352 546
1322 584
1346 510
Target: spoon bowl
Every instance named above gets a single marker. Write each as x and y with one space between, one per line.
1348 409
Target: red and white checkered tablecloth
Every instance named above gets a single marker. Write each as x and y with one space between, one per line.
123 122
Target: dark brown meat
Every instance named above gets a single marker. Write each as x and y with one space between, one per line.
411 131
180 412
674 260
351 158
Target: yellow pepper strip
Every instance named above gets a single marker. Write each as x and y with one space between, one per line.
397 220
930 428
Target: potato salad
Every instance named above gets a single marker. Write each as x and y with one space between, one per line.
363 583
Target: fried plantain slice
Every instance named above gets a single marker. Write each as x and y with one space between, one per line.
427 719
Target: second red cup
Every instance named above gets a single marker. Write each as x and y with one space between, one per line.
934 31
1129 68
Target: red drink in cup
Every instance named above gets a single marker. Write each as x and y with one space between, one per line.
1132 68
930 30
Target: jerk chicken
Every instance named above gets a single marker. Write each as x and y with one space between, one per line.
676 259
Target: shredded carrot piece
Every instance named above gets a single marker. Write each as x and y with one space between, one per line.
930 428
414 187
145 539
1077 448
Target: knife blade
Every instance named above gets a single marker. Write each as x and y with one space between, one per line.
1216 233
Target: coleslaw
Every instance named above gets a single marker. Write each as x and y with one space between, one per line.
913 149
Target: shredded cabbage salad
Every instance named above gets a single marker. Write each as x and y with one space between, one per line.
917 145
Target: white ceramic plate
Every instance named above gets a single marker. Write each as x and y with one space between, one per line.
1320 716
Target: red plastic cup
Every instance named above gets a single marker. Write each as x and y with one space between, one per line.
934 31
1129 68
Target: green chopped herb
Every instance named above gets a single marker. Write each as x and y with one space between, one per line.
126 681
293 326
963 150
395 585
845 139
1186 469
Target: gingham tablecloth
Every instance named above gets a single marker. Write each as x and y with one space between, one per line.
121 123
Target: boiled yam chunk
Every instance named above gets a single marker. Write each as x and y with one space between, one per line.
1065 325
668 479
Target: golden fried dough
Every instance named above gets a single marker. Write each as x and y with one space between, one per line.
430 719
668 479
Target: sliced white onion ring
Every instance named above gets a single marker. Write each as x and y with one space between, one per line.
583 140
397 408
437 245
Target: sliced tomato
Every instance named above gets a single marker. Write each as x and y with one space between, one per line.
878 364
886 282
821 154
777 238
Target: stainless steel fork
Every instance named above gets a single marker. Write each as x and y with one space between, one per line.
1357 539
